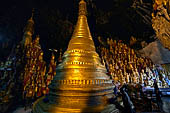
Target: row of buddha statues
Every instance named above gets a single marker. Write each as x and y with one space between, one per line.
125 66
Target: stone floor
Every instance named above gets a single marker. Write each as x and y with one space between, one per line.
22 110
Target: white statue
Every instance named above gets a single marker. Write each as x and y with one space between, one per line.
159 82
144 74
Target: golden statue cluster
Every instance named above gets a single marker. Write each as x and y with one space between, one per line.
34 71
81 83
35 76
125 67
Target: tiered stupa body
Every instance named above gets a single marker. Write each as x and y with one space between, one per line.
81 84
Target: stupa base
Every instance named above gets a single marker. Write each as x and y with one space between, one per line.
46 107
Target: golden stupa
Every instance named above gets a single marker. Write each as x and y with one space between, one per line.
80 84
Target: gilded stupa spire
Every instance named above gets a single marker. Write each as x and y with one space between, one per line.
28 31
82 8
81 38
30 24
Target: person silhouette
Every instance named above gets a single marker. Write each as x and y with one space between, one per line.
158 95
128 104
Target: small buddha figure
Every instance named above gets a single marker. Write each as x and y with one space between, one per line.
28 54
32 54
111 42
49 78
150 82
116 66
136 72
44 89
122 79
126 63
134 78
36 41
127 77
27 42
129 50
124 52
33 68
60 57
131 78
129 57
35 53
163 74
144 65
137 80
34 61
39 93
132 52
111 49
130 66
146 82
159 82
36 88
41 56
30 93
119 50
47 90
103 62
151 74
30 46
112 61
167 81
141 78
116 78
114 43
144 74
